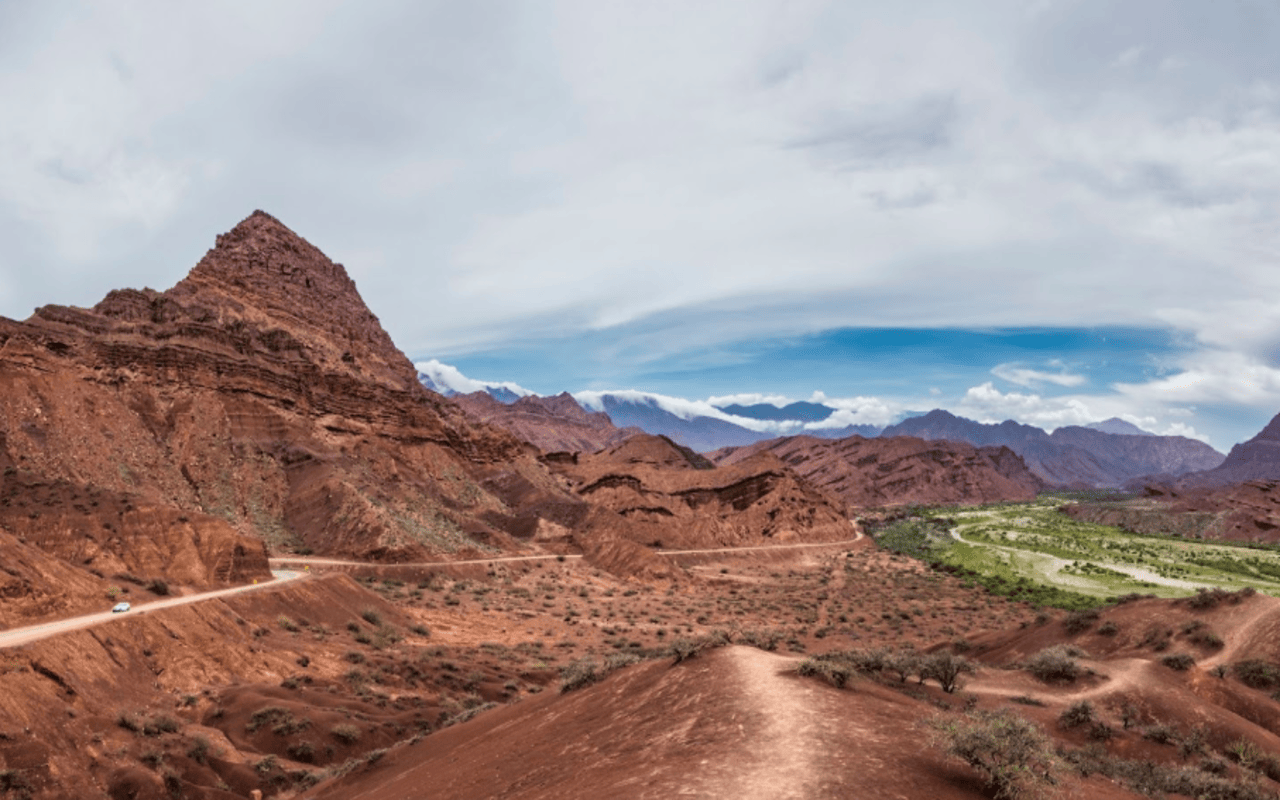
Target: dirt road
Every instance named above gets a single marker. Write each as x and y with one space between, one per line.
20 636
338 562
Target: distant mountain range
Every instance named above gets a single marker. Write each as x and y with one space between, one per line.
1072 455
1111 453
1256 459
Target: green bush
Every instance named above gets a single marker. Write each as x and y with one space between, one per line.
1077 714
1013 754
833 671
946 668
347 734
579 674
1256 674
1080 621
1054 665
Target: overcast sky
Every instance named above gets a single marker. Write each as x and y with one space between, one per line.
1050 210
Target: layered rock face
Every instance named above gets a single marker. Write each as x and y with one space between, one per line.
257 400
552 424
900 470
671 497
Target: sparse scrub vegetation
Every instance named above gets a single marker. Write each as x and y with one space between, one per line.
1013 754
1054 665
1179 661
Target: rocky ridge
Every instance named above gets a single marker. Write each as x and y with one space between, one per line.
899 470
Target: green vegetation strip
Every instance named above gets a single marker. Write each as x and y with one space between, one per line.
1033 552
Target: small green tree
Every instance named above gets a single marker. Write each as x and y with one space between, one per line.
946 668
1012 753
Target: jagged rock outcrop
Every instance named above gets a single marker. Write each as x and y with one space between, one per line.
259 397
899 470
552 424
672 497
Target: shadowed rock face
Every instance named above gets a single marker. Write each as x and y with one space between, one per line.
670 495
1256 459
875 472
258 399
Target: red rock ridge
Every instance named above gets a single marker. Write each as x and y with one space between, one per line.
899 470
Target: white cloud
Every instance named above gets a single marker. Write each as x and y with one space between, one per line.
750 399
452 378
985 403
1212 377
1023 376
858 411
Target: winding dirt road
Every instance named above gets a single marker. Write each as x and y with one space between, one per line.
338 562
32 633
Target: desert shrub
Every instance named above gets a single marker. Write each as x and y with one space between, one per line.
1101 732
1154 780
287 624
579 674
1026 700
683 649
158 586
619 660
874 660
1012 753
1207 598
129 722
1193 743
832 670
946 668
763 639
347 734
1108 629
1077 714
371 616
12 783
1207 639
1161 734
1256 674
199 750
1080 621
1179 661
904 663
302 751
158 725
1054 665
281 720
1214 766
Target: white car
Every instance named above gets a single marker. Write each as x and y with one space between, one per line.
120 608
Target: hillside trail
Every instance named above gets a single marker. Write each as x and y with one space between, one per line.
1121 674
1241 633
790 726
